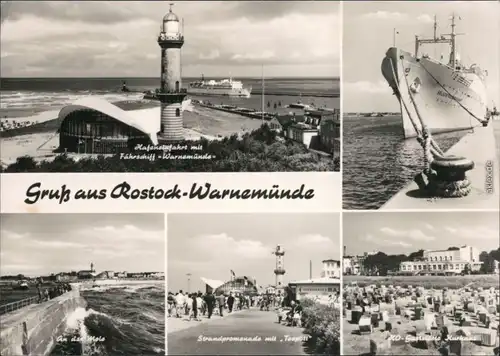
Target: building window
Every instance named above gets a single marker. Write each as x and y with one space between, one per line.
177 112
177 86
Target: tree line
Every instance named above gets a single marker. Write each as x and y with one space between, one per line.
383 264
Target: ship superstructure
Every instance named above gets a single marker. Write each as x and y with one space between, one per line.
448 95
224 87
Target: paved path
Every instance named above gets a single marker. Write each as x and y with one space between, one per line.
252 323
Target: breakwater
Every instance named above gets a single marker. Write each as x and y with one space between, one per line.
313 94
241 111
34 329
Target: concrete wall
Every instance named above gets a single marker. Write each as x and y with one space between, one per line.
34 330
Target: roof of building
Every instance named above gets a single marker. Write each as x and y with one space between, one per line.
324 280
286 119
331 118
86 271
148 124
213 283
304 127
170 16
319 113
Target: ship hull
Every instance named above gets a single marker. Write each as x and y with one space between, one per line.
240 93
447 100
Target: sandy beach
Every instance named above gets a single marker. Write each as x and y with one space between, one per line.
409 320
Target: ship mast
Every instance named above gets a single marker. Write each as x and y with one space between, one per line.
453 48
435 27
262 93
441 39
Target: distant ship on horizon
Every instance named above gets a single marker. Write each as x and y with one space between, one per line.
224 87
449 96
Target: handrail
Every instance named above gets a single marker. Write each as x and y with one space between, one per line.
13 306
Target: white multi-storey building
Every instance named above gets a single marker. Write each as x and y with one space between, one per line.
444 261
331 269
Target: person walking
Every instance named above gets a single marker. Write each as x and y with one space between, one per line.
222 301
189 305
200 304
171 303
179 303
210 300
194 306
230 302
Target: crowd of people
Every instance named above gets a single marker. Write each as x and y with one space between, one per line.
6 124
196 304
53 292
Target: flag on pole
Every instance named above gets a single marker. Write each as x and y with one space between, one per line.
233 274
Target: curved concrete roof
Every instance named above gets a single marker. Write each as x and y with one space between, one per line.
213 283
149 126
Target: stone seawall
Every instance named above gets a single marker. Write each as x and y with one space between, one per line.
33 330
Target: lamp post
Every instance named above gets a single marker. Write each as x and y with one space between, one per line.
189 282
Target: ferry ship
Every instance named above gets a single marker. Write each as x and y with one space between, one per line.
225 87
449 96
300 105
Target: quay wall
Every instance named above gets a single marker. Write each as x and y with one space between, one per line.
34 330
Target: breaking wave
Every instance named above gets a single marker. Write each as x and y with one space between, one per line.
53 100
119 320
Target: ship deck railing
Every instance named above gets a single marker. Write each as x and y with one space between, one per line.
13 306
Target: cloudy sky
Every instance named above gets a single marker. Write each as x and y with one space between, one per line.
113 38
368 33
406 232
40 244
210 245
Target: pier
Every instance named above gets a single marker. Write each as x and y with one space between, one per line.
251 113
477 145
33 329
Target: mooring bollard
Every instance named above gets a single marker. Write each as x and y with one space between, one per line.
450 179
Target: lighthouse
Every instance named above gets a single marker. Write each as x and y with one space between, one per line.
171 95
279 271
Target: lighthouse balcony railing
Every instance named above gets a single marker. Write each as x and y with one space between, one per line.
170 37
164 91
